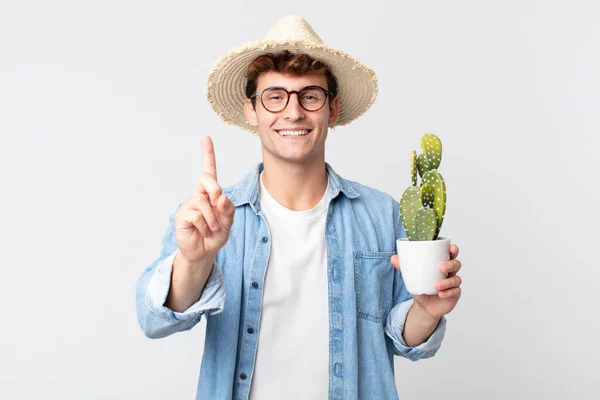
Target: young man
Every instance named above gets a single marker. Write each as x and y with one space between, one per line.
294 265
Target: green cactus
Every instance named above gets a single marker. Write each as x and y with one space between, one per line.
432 148
434 188
413 167
425 224
421 164
423 207
410 204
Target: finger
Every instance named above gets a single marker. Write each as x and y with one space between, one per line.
395 261
208 151
453 251
448 283
451 267
451 293
208 184
226 211
195 218
201 203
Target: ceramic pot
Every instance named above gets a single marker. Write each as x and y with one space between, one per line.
420 263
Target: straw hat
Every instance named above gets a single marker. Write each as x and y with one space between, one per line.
225 88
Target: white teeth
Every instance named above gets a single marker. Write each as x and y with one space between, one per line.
293 133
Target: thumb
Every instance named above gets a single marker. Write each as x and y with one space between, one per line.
395 262
226 211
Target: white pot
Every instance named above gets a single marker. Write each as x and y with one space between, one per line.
420 263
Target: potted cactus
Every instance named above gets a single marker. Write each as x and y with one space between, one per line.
422 208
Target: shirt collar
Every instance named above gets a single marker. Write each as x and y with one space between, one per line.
247 190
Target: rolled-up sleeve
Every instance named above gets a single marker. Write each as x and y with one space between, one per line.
212 299
394 329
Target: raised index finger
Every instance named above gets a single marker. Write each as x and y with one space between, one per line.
208 150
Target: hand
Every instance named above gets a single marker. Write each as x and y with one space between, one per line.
440 304
203 222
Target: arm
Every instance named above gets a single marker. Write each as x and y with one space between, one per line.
154 285
419 326
418 322
414 333
186 278
187 282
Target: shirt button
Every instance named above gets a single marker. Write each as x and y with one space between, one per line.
255 285
337 369
243 376
250 330
265 239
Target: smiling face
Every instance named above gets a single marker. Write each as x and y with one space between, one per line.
293 134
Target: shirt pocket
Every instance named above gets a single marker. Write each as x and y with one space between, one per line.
374 276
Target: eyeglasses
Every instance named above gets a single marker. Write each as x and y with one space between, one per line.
276 99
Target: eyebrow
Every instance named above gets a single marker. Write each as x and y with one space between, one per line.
283 87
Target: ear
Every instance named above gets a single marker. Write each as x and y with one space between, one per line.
334 110
250 113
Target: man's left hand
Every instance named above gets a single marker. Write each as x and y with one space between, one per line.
438 305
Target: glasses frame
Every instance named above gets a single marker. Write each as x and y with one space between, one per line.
328 94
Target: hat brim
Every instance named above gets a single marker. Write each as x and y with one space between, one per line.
226 84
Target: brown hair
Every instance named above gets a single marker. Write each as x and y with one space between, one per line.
287 62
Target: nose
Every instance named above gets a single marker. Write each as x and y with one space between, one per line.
294 111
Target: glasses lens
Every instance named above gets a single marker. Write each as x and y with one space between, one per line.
274 99
312 98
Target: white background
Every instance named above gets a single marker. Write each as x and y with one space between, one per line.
101 112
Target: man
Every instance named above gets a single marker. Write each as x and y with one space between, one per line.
292 266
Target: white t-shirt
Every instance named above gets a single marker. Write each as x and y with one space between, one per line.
293 344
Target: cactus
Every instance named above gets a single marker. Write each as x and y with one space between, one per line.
423 206
432 149
421 165
414 167
425 224
410 204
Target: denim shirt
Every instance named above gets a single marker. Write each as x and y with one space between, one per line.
368 301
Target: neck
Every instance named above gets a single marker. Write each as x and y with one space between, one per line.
296 186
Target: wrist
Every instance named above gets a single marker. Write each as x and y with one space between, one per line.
203 263
423 315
